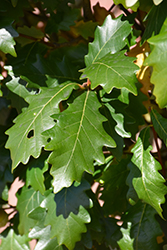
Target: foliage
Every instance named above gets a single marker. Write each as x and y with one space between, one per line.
83 124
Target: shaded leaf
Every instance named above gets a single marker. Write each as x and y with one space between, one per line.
147 181
14 241
33 121
153 27
66 201
68 231
110 37
77 140
160 125
158 77
115 188
27 200
144 226
85 29
112 71
35 171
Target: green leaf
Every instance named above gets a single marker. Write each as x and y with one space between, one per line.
112 71
156 2
14 241
110 37
133 4
14 2
160 125
153 27
115 188
144 227
7 42
27 200
126 243
5 169
158 77
77 140
68 231
66 199
33 121
42 233
147 181
31 31
34 173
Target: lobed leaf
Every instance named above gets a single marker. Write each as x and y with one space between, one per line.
33 121
147 181
67 231
144 227
7 42
28 200
14 241
110 37
159 74
77 140
126 243
112 71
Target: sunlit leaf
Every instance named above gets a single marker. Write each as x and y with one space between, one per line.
110 37
33 121
7 42
147 181
112 71
27 200
77 140
157 59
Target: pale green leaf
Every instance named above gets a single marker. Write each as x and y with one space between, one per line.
160 125
33 121
157 59
77 140
110 37
7 42
42 233
14 241
133 4
156 2
126 243
147 182
27 200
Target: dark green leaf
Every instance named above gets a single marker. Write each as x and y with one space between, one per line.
144 227
160 125
153 27
115 188
68 231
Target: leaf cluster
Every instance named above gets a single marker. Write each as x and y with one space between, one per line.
83 124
